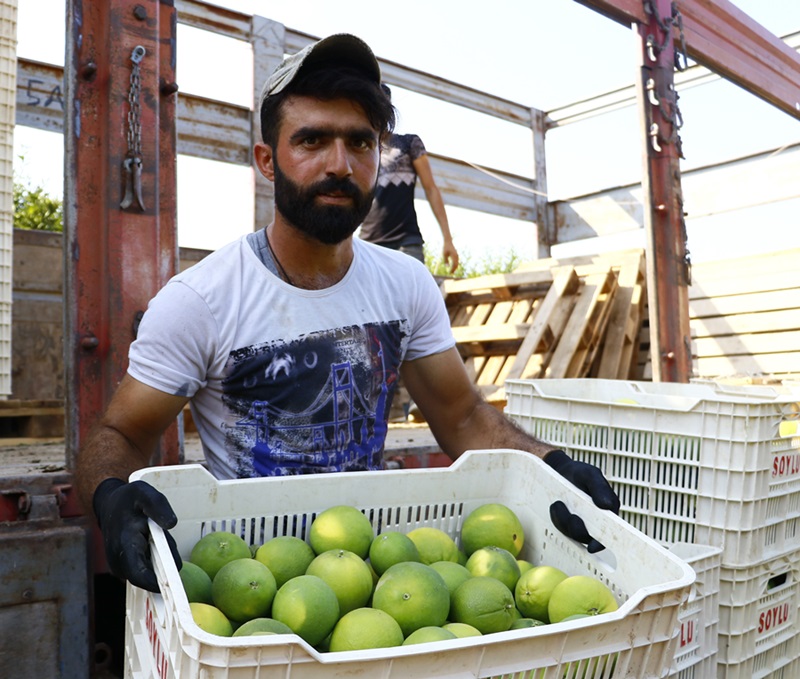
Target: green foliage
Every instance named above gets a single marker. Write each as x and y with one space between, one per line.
469 266
34 208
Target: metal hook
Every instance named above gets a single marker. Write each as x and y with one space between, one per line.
651 92
138 54
654 137
651 48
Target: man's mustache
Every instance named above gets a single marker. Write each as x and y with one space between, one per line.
336 185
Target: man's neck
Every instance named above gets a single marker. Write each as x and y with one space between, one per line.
305 262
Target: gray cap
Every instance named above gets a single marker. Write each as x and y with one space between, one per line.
341 49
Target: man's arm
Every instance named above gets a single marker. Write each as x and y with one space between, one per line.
422 167
459 417
125 437
123 441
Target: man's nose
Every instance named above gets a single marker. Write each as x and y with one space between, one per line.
339 159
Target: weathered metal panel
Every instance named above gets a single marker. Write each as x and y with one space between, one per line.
44 585
213 130
488 190
213 18
40 95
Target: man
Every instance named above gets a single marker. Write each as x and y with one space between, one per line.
288 342
392 221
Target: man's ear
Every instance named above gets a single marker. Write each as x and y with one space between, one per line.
262 156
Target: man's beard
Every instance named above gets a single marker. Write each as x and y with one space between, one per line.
329 224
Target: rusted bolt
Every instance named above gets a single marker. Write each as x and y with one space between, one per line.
169 88
27 594
661 207
669 355
89 70
90 342
140 12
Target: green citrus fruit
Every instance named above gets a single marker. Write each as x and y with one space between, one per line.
365 628
414 594
462 629
348 576
214 550
286 557
308 606
533 591
390 548
341 527
210 619
434 545
580 594
483 602
426 634
495 562
243 589
196 583
524 565
262 626
452 573
492 525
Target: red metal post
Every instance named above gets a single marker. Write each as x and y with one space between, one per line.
120 141
668 268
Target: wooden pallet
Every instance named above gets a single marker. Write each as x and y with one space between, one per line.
551 318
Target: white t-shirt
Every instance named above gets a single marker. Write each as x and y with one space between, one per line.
285 380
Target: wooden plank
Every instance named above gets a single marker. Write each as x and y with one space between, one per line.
768 321
763 364
784 262
577 339
624 320
495 332
748 344
521 312
631 352
745 283
494 363
517 284
566 283
747 303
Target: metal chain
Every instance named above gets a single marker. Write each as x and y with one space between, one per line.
134 118
671 111
132 165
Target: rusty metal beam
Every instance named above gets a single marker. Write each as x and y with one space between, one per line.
115 259
665 230
726 40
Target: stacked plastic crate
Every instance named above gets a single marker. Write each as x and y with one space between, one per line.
703 463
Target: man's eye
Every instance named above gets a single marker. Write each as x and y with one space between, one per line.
363 144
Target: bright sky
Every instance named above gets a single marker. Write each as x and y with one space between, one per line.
541 53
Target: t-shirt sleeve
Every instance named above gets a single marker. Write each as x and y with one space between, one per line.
416 148
175 343
431 332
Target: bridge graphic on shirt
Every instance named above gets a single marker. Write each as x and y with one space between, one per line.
352 438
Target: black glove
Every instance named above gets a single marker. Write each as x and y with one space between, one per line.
122 510
591 481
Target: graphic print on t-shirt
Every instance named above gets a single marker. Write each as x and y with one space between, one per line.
316 404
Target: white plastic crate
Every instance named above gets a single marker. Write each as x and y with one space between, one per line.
703 463
759 610
699 615
649 582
